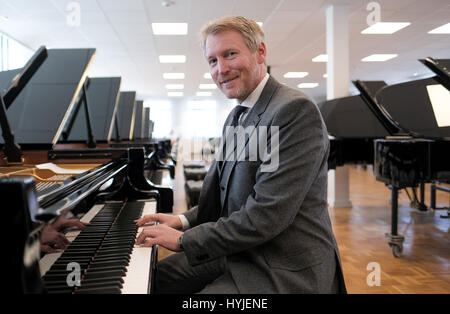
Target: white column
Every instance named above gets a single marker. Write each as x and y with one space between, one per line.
338 86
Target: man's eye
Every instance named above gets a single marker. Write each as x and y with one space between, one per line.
212 61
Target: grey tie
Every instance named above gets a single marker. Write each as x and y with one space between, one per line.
234 122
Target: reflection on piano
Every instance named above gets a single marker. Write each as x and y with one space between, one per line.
109 190
422 158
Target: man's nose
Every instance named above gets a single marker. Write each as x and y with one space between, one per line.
223 66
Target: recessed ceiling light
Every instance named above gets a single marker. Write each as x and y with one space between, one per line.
173 76
204 94
172 58
379 57
175 94
385 28
307 85
295 74
444 29
174 86
320 58
207 76
169 28
260 24
325 75
207 86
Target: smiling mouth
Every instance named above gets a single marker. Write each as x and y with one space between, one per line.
229 80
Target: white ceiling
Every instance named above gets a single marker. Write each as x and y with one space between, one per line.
295 33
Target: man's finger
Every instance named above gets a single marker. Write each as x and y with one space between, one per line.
61 241
47 248
148 242
147 219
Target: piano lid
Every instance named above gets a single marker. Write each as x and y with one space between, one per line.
417 106
12 82
139 120
125 114
350 117
441 67
40 111
102 96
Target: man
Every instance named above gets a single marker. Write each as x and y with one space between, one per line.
254 231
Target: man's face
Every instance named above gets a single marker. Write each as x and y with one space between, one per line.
234 68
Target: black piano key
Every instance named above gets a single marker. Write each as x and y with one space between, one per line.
104 274
112 278
105 284
110 257
101 269
117 262
60 289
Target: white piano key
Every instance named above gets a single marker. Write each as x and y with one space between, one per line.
138 271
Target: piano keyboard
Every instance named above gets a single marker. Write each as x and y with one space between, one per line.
105 252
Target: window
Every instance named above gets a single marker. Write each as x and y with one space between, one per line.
161 115
202 120
13 54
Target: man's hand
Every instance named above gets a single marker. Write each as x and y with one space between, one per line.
169 220
52 240
160 234
62 223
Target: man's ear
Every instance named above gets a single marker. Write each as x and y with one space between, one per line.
261 53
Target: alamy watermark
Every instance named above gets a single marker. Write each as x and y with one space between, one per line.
74 277
73 17
374 277
238 144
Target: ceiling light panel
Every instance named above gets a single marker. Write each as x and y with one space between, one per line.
175 94
307 85
444 29
207 86
385 27
172 59
173 76
295 74
204 94
379 57
170 28
320 58
174 86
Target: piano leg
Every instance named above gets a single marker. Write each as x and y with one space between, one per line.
419 203
394 239
433 189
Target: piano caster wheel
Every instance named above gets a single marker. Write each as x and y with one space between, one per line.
397 249
396 244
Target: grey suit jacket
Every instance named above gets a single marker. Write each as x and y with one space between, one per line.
273 228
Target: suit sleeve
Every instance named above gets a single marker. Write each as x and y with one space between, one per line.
278 195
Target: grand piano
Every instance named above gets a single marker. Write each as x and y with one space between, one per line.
421 108
109 191
353 124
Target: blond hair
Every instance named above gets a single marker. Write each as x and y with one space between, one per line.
251 32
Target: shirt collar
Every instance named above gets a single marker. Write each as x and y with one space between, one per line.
251 100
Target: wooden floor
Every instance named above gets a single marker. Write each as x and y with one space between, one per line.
424 266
